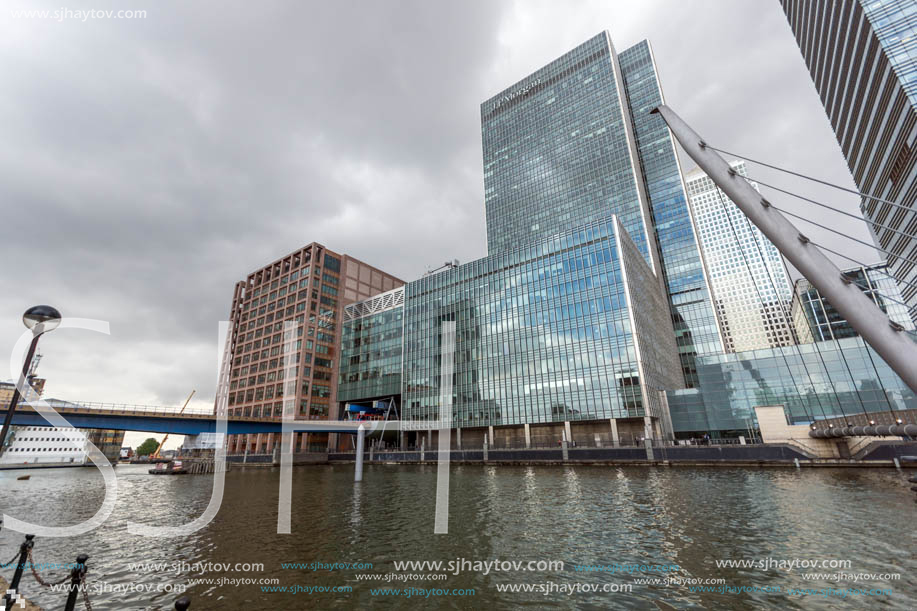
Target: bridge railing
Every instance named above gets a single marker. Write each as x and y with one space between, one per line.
124 407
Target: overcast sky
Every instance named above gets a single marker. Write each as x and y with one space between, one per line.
147 165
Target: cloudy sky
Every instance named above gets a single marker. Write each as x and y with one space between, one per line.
146 165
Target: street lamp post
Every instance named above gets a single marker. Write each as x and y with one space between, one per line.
39 319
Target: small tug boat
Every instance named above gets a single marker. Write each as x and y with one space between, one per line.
172 467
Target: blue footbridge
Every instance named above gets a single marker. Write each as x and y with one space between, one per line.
162 419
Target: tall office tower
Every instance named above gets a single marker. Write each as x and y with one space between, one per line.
816 320
573 143
567 324
862 55
308 288
751 287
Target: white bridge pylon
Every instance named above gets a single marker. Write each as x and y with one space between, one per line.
886 337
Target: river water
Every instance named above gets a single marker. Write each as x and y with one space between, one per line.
604 517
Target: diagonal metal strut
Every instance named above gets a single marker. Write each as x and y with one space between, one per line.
885 337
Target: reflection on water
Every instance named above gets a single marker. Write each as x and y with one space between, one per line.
580 515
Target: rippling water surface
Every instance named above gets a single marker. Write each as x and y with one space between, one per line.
580 515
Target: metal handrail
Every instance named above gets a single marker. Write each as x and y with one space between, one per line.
139 409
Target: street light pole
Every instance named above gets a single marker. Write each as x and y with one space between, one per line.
39 319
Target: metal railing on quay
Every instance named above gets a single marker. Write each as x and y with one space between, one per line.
23 563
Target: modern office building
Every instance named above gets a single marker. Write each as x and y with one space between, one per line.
811 381
371 349
816 320
591 315
574 328
862 55
307 289
819 378
593 270
575 142
750 284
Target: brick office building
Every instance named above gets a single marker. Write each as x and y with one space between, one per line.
309 287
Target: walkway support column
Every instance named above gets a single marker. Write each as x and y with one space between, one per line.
447 369
887 338
528 435
615 441
361 438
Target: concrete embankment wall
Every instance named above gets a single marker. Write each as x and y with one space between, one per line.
878 454
732 455
776 454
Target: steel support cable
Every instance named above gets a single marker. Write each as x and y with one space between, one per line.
842 234
891 409
817 347
911 332
858 217
787 318
861 264
872 324
786 361
813 179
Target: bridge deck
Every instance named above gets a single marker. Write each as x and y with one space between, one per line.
163 420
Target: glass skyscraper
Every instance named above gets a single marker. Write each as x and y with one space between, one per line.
592 312
574 142
751 287
559 152
862 55
696 329
593 269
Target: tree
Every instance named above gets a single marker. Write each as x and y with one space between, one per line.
147 447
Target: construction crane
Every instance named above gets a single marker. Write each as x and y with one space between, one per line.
163 442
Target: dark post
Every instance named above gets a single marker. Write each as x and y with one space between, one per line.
182 603
23 379
8 600
77 574
40 319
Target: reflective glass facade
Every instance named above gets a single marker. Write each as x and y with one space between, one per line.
371 340
751 287
817 320
895 23
826 379
696 329
574 142
862 55
543 333
559 152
